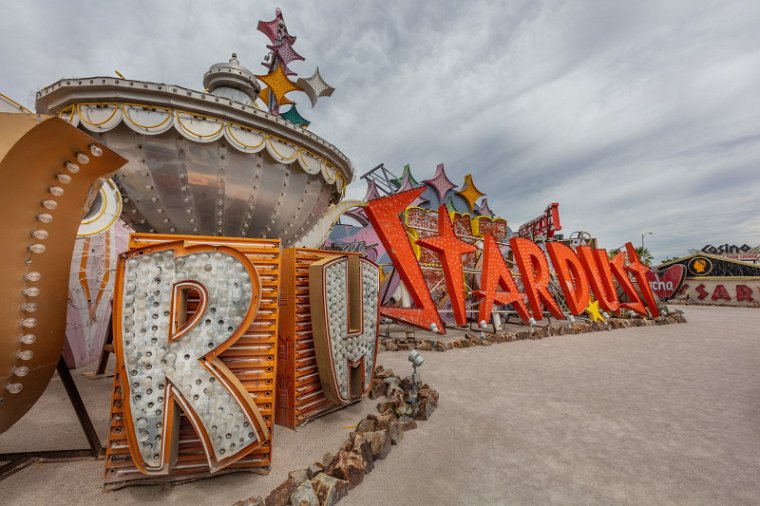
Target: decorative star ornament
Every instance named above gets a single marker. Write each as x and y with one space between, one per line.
483 210
278 83
295 117
315 87
276 30
470 192
264 95
593 311
450 250
440 182
286 54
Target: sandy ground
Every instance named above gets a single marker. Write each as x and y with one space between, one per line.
650 415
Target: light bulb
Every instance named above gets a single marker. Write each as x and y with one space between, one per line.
49 204
40 234
20 371
72 167
37 248
63 178
96 150
30 307
83 159
44 218
28 338
32 276
56 191
31 291
14 388
29 323
25 354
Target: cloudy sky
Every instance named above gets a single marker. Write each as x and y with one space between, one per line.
635 116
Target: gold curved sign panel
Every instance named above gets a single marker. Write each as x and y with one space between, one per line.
48 169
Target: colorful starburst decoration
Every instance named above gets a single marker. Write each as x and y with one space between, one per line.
440 182
470 192
277 80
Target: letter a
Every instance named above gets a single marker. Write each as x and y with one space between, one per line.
496 275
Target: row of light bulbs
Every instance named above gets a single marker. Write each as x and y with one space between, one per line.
29 307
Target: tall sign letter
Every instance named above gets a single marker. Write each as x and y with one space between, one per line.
344 316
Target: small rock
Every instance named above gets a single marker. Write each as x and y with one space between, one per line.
304 495
251 501
347 466
380 443
299 475
314 469
377 389
367 424
425 345
423 410
396 432
407 423
384 420
390 345
362 446
281 495
329 490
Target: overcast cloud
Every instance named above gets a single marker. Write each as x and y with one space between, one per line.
635 116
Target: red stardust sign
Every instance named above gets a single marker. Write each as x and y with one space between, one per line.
580 273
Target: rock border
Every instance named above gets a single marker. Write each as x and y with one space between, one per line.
326 482
471 338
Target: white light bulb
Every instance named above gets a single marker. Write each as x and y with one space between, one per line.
25 354
37 248
96 150
32 276
31 291
14 388
30 307
20 371
50 204
56 191
40 234
72 167
44 218
63 178
83 159
28 338
29 323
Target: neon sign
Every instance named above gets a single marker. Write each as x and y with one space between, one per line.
580 272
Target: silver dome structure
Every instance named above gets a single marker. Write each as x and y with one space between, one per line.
205 163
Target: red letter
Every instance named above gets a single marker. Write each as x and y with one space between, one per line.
597 267
534 272
572 277
639 272
496 274
618 268
743 292
450 250
720 293
384 213
702 292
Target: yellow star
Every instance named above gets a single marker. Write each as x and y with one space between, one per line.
264 96
593 311
278 83
470 192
